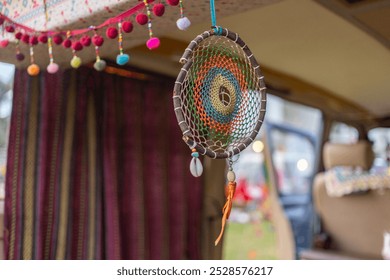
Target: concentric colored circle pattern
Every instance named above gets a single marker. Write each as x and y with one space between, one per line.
219 96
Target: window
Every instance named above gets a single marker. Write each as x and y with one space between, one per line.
343 133
7 72
293 132
380 138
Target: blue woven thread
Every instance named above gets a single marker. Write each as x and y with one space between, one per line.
212 12
217 29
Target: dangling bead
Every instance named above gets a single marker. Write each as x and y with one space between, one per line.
196 167
231 176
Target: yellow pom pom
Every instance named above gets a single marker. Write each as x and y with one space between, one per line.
33 70
75 62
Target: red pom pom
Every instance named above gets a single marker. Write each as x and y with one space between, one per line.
42 38
4 43
111 32
10 29
26 38
141 19
1 20
77 46
18 35
85 41
97 40
127 26
173 2
57 39
159 9
33 40
67 43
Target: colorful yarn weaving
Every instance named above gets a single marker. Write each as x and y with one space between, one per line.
219 100
223 92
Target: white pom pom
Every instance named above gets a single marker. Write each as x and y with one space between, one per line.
196 167
183 23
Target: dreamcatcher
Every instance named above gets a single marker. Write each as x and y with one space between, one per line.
219 99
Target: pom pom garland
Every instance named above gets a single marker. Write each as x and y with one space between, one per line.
52 68
77 46
111 32
25 38
99 65
75 62
173 2
42 38
67 43
158 9
4 43
85 41
122 59
97 40
127 26
183 23
57 39
10 29
33 70
141 19
153 43
18 35
77 39
19 56
33 40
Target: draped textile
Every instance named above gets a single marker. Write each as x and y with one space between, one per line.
97 170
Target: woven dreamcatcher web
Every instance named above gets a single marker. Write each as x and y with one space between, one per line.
219 100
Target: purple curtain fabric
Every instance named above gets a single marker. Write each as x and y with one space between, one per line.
97 170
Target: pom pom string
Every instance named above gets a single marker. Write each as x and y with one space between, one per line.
149 14
153 42
183 22
120 38
121 58
181 9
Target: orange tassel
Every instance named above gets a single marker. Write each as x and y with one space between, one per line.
229 192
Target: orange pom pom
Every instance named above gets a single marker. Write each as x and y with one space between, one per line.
33 70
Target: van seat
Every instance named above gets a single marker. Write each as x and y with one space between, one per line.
355 223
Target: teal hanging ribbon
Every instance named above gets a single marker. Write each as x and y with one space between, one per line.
217 29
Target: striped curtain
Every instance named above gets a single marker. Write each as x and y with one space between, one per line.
97 170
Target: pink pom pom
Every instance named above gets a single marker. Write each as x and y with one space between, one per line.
42 38
85 41
159 9
18 35
52 68
4 43
173 2
112 32
10 29
33 40
153 43
141 19
127 26
77 46
57 39
67 43
25 38
97 40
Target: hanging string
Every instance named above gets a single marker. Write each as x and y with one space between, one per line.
217 29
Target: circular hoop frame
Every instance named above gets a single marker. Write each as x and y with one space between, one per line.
186 59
